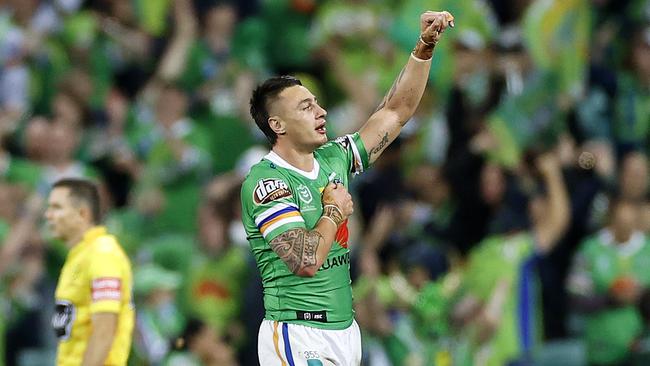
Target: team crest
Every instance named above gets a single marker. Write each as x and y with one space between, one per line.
304 194
268 190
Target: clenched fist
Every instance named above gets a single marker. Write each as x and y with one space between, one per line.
433 24
337 202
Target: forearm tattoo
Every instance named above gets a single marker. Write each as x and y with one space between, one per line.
297 248
334 213
380 146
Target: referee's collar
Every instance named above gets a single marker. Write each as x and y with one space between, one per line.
89 236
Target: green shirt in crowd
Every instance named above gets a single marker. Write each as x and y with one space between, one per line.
214 292
510 258
598 264
632 113
19 171
179 179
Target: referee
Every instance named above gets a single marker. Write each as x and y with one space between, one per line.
94 314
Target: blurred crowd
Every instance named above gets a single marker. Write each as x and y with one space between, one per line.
508 225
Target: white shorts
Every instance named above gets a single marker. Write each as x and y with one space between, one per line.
285 344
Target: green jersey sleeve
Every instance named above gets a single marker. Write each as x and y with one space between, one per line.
269 205
348 150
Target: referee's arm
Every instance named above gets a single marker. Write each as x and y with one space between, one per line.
101 338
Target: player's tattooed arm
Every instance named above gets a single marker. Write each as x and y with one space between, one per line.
380 147
404 96
304 251
297 248
391 92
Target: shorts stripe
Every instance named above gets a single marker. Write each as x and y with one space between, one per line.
287 345
275 342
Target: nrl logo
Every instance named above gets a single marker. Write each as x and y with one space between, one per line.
304 194
268 190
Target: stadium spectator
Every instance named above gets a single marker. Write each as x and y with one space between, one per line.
608 276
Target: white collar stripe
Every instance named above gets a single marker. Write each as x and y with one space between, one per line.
277 160
627 249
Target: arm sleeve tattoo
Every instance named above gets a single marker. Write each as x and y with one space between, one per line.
297 248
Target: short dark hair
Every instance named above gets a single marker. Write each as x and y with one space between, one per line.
261 97
85 191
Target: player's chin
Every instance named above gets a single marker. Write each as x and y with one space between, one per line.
319 141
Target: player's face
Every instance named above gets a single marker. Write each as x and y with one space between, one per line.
64 217
304 119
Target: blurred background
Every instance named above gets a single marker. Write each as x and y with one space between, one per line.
508 225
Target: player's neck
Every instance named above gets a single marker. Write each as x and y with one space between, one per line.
301 160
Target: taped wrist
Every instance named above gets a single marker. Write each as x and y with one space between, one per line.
333 213
423 49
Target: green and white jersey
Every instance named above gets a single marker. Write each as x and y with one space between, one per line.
277 197
512 258
597 265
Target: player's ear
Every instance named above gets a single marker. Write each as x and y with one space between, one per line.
277 125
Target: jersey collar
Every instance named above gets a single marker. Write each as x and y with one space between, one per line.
633 245
277 160
89 236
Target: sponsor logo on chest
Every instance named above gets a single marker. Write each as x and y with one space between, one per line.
336 261
268 190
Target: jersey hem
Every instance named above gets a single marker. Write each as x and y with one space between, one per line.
318 325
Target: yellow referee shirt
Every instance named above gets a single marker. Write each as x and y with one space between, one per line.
95 278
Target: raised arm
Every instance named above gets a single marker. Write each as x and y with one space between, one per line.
174 59
304 251
404 96
550 228
20 232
